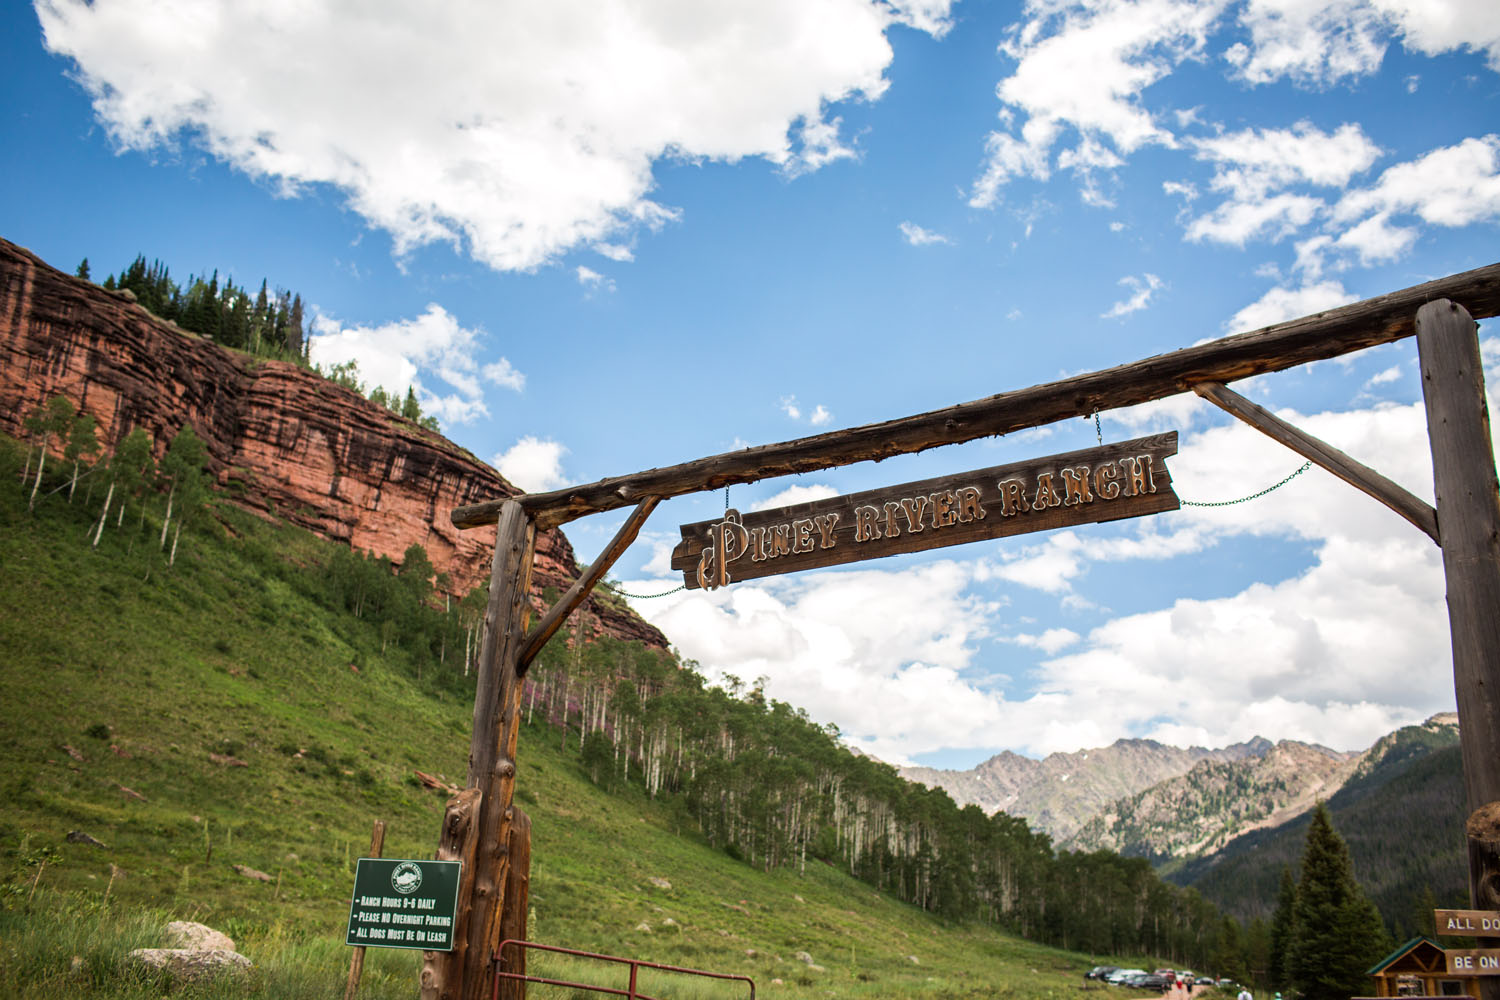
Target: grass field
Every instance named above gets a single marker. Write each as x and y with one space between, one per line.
215 715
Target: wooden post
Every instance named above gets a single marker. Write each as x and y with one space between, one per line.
1468 514
458 842
357 960
517 899
466 974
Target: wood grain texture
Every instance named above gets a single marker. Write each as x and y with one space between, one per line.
357 960
1321 453
492 752
1285 345
458 841
1468 513
843 544
517 900
579 592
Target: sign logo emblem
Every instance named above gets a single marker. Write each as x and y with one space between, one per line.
407 878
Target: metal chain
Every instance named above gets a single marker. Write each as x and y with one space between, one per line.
1098 430
640 597
1253 496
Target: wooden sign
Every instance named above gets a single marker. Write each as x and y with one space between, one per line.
1473 961
1115 481
1467 923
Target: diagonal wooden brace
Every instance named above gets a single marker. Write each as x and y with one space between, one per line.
579 592
1321 453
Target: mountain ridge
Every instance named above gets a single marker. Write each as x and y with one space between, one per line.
282 441
1031 788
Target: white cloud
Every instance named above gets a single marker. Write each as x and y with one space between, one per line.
796 494
1253 162
1238 222
614 251
1316 42
416 353
1385 377
533 464
1180 189
1436 26
1141 290
894 685
1453 186
593 280
503 374
919 237
1281 304
1160 414
1051 642
517 131
819 416
1085 67
1320 42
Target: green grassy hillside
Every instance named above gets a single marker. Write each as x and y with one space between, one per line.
211 715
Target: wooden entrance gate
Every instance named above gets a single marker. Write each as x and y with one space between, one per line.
480 826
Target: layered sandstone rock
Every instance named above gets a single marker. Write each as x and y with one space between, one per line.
282 441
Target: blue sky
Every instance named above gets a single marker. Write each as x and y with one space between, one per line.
599 237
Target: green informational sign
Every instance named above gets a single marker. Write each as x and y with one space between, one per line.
403 904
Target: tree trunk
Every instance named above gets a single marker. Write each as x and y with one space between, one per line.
171 495
103 515
41 462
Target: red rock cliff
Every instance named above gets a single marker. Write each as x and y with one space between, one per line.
282 441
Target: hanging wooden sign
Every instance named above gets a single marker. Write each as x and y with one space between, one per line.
1467 923
1473 961
1115 481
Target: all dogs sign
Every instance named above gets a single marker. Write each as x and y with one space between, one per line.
403 904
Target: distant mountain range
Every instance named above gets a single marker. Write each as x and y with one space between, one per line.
1062 792
1226 820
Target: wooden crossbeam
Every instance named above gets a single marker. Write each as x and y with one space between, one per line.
1321 453
1274 348
584 585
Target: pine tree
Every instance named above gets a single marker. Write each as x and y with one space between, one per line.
1337 933
83 269
1281 929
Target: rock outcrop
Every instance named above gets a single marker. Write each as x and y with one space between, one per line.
282 441
198 952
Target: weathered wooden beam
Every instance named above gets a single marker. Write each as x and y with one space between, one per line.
492 750
1321 453
459 841
357 960
517 902
1468 509
1322 335
584 585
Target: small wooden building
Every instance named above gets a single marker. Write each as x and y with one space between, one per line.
1419 969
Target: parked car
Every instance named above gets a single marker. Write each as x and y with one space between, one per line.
1155 981
1100 971
1206 981
1120 975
